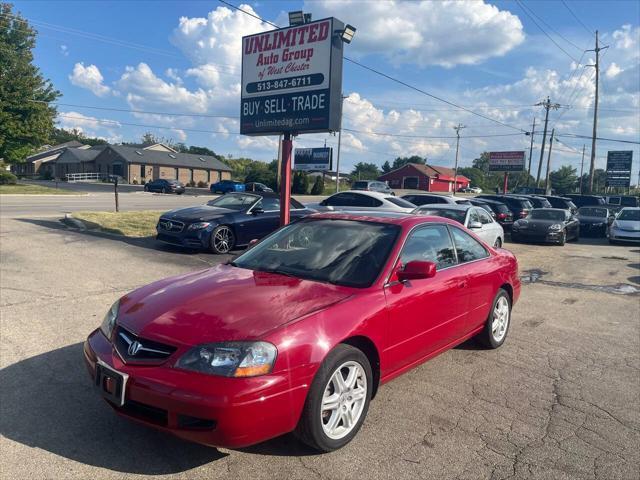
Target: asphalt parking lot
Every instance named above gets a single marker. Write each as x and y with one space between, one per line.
560 400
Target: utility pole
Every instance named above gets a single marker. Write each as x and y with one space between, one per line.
547 105
455 171
595 113
547 184
533 131
342 97
582 168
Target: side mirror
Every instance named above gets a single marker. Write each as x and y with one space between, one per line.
252 243
475 225
257 211
416 270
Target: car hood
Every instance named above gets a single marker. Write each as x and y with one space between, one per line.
630 225
538 223
200 212
223 303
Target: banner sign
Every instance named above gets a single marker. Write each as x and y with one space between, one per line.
292 80
619 168
506 161
319 159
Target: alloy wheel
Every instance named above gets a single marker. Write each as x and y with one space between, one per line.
343 400
500 319
222 238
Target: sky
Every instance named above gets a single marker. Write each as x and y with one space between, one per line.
181 60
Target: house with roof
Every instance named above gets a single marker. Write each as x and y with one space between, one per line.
46 155
430 178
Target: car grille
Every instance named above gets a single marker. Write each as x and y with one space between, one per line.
170 225
132 348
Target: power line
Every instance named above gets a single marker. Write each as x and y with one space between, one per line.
523 8
426 137
553 29
576 17
389 77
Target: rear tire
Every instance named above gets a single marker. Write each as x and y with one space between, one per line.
335 410
146 189
563 238
497 325
164 190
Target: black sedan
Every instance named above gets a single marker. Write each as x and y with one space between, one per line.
594 221
164 186
230 221
549 225
257 187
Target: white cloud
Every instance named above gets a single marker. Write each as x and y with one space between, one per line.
613 70
90 78
64 50
90 126
445 33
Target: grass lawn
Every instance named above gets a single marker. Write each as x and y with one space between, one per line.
25 189
129 224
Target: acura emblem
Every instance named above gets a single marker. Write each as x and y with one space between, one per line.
134 348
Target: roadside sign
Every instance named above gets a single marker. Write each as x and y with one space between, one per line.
318 159
292 80
619 168
506 161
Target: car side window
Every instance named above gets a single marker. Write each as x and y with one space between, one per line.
429 244
485 218
365 201
341 199
467 247
473 216
270 203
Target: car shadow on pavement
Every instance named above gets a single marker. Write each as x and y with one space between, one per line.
48 402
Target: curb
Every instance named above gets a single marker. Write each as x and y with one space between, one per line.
69 221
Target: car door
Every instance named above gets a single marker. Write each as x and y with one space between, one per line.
426 315
478 265
262 218
489 231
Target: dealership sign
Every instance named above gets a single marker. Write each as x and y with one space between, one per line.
619 168
292 80
506 161
318 159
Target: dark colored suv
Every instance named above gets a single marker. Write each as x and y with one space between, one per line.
536 200
164 186
372 186
519 206
501 212
586 200
561 202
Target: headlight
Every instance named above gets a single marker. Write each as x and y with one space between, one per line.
109 321
230 359
556 227
198 226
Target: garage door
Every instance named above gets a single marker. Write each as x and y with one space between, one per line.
410 183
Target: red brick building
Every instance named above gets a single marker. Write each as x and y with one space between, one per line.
430 178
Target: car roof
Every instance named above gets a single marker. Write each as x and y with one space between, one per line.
630 208
550 209
395 218
378 195
448 206
255 194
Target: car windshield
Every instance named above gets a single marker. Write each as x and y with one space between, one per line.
450 213
632 215
400 202
592 212
357 185
234 201
541 214
342 252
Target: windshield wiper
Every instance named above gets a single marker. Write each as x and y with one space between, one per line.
276 271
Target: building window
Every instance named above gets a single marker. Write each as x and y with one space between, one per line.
142 168
176 173
208 176
191 174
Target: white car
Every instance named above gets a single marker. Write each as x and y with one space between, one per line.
363 201
476 219
419 199
475 189
625 226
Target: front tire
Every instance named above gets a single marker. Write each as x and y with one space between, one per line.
497 326
563 238
222 239
338 400
498 243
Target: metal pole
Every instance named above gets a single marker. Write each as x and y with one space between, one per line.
342 97
595 117
533 131
547 185
285 175
455 171
505 185
582 168
115 192
545 104
279 168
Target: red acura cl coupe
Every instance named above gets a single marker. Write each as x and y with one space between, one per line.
298 332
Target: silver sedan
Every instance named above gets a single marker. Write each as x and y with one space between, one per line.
362 201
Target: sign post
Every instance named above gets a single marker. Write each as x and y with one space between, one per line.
292 84
506 162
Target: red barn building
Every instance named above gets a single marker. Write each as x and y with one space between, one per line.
430 178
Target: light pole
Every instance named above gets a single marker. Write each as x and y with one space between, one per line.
342 97
455 171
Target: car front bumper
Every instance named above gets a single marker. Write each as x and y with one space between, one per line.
536 236
593 229
206 409
198 239
619 235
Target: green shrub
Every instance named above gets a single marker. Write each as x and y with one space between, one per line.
7 178
191 183
202 184
134 182
47 175
318 187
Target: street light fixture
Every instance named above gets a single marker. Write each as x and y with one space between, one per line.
347 34
296 18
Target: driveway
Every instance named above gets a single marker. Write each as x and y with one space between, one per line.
560 400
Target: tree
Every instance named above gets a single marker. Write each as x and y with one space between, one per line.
26 117
482 162
402 161
318 186
386 167
564 179
599 180
60 135
300 183
365 171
